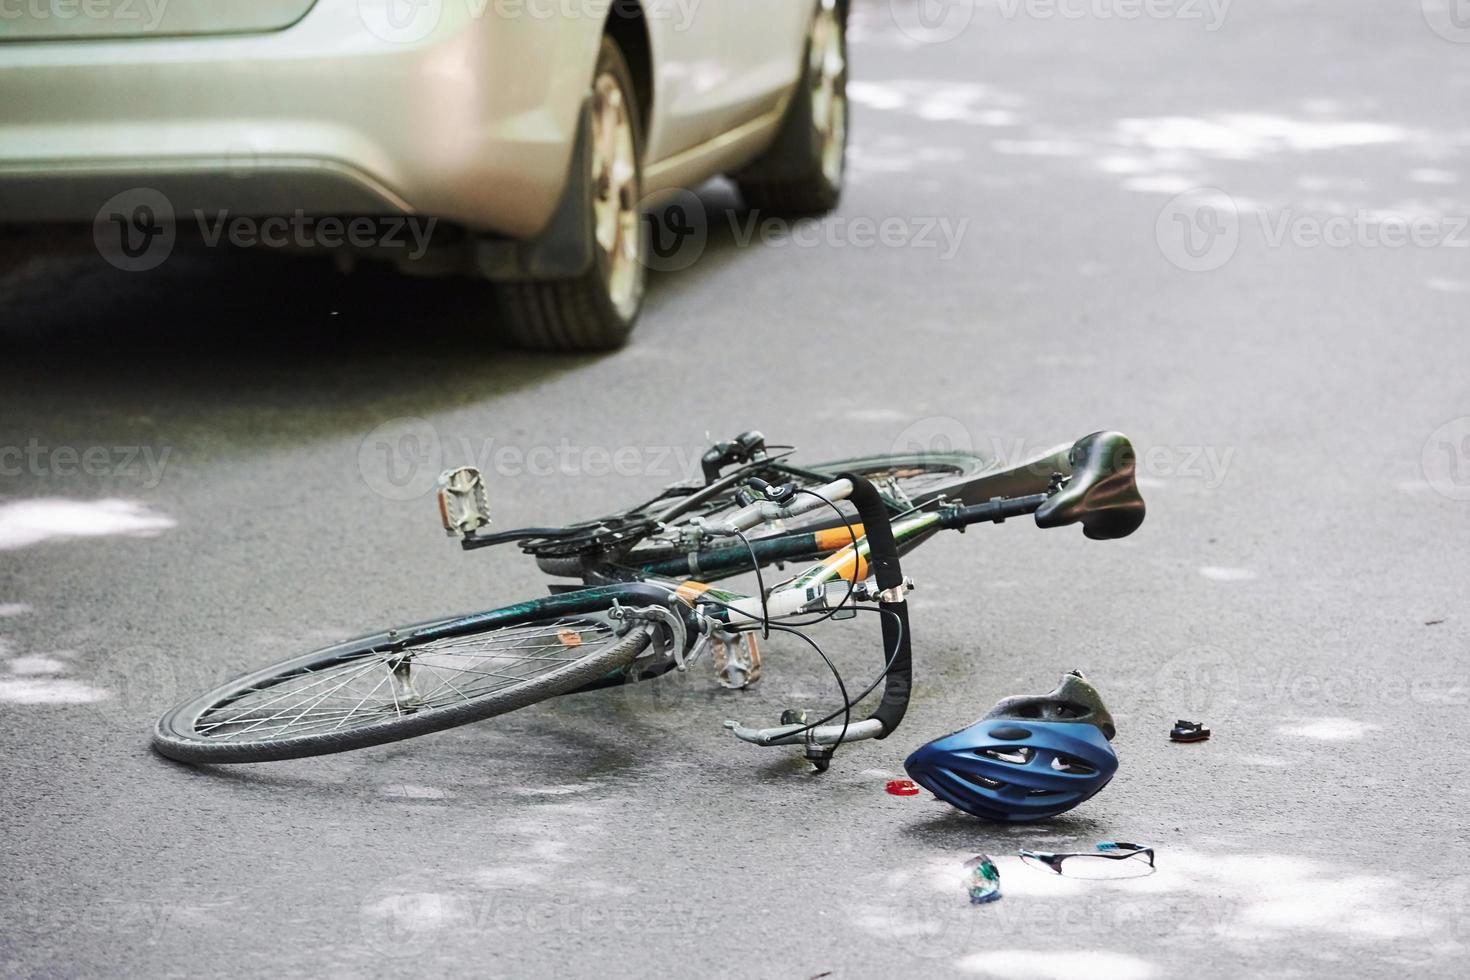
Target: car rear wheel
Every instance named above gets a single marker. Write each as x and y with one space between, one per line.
597 310
804 170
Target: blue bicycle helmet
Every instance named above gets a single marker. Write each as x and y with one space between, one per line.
1029 758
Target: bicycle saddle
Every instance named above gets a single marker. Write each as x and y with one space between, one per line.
1101 493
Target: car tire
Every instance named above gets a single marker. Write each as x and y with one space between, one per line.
596 310
804 170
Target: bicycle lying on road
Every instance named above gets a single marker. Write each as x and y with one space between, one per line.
647 603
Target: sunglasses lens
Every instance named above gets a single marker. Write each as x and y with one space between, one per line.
1095 866
1037 863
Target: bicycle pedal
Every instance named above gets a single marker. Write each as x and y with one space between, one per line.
737 660
464 504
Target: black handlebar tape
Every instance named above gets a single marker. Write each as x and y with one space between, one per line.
883 559
882 550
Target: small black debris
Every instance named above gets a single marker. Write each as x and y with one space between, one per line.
1189 731
1433 622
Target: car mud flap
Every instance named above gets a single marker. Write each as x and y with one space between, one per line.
563 249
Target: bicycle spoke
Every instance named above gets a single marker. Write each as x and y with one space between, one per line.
362 690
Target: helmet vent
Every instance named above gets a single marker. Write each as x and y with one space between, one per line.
1071 765
1053 711
1018 756
1069 710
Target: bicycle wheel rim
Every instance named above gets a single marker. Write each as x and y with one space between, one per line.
203 730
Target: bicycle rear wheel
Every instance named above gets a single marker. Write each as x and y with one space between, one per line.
378 689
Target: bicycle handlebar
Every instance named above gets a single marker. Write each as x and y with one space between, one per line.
996 511
883 560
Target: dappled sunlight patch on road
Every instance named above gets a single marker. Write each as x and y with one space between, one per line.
1247 901
416 912
1347 905
931 100
408 791
563 790
1053 964
1161 184
1041 147
541 844
898 156
31 679
27 522
1330 729
1216 573
511 876
1433 175
1280 894
470 903
1174 154
47 690
1413 209
1158 172
1251 136
36 664
13 609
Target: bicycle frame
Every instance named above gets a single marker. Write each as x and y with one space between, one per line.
846 554
1090 483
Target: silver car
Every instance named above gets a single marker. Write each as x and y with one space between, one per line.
516 140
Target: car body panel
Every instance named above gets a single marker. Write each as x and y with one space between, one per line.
52 20
764 44
469 116
719 65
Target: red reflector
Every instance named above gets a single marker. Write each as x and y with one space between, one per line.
902 787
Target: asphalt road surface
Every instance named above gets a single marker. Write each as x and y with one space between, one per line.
223 460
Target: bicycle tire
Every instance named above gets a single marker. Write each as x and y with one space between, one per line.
178 735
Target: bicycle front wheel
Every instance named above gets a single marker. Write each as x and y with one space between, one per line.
378 689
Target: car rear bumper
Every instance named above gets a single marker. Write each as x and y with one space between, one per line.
472 123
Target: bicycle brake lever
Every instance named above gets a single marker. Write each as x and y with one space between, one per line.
794 735
817 743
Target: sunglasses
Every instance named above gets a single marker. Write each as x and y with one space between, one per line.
1112 859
